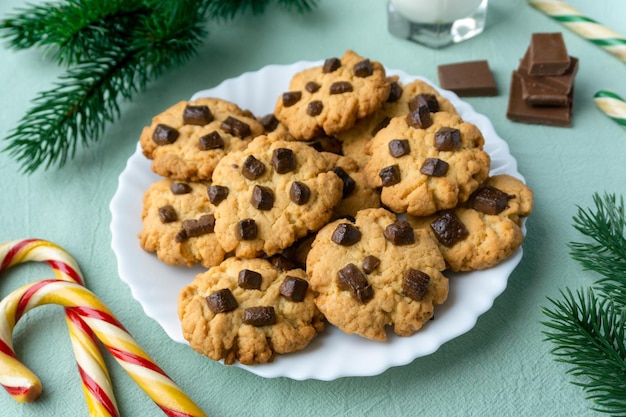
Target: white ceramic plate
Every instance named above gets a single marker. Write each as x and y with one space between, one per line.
333 354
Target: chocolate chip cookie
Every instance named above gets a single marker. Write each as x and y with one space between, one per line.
247 310
374 272
178 224
187 140
425 162
327 99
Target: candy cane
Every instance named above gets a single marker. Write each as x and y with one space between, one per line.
584 26
612 105
85 305
18 380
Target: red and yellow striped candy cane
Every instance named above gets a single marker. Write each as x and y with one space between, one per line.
86 306
17 379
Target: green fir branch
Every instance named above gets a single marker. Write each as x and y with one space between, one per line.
113 48
588 329
588 334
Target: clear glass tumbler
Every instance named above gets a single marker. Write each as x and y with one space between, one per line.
436 23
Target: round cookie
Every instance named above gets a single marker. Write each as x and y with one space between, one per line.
484 231
427 166
187 140
248 310
402 99
273 193
376 272
178 224
327 99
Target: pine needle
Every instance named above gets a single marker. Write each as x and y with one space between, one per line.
113 49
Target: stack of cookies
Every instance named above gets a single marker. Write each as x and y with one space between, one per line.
345 205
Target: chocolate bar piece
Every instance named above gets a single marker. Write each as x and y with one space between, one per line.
538 94
563 83
520 111
468 79
547 54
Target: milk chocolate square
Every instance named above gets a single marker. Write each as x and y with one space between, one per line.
468 79
547 54
562 83
520 111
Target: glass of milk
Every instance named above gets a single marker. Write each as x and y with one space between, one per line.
436 23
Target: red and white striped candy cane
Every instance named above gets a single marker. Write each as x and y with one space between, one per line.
22 384
86 306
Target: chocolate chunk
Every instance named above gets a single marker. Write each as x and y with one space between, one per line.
205 224
346 234
468 79
246 230
363 68
350 278
235 127
420 117
370 263
490 200
262 198
312 86
291 97
449 229
283 160
181 236
434 167
281 262
327 144
447 139
252 168
167 214
562 83
217 193
331 65
381 125
399 147
211 140
415 284
259 316
348 182
314 108
390 175
547 54
197 115
179 188
269 122
428 99
520 111
164 135
340 87
249 280
222 301
294 288
395 92
299 193
400 233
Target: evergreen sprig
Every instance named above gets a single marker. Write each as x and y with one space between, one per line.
588 328
112 49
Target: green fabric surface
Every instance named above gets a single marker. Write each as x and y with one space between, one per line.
502 367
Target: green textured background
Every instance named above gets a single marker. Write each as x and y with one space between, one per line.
500 368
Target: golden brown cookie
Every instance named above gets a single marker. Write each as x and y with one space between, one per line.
327 99
402 99
426 162
187 140
376 272
178 224
273 193
248 310
487 229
